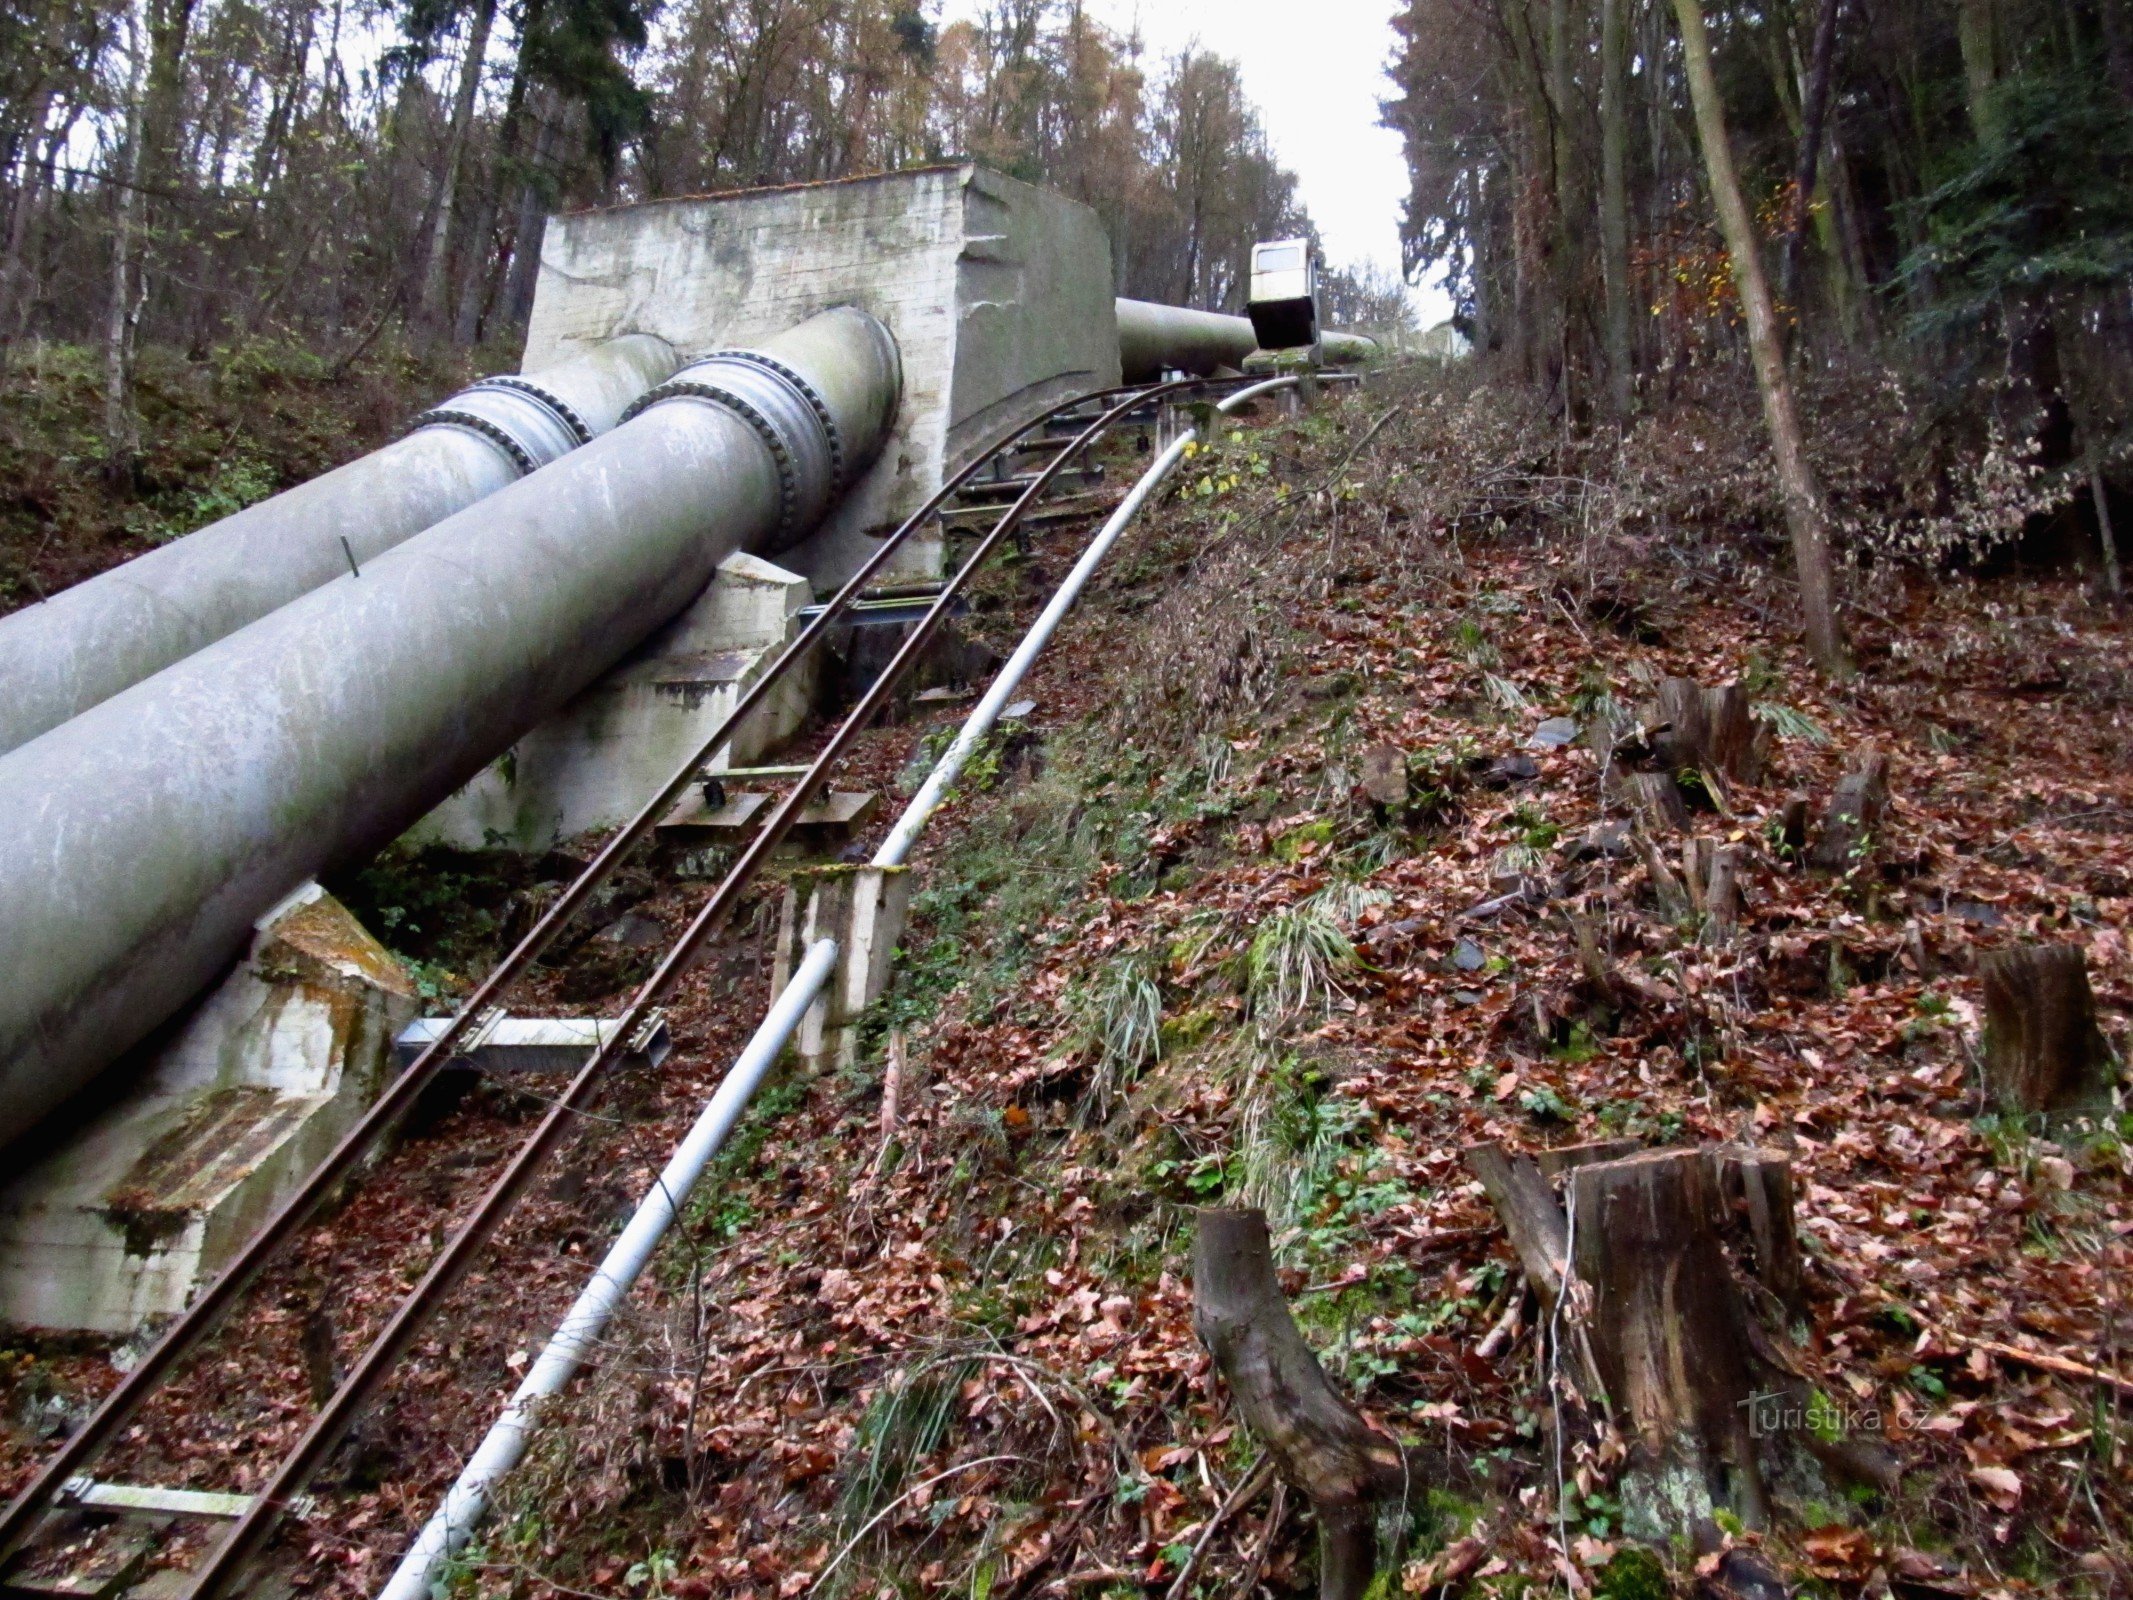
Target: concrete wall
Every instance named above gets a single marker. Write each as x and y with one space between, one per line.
998 293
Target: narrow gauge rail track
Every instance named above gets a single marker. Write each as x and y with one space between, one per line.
263 1510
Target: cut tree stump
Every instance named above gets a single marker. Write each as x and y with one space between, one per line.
1855 811
1668 1337
1655 801
1320 1443
1756 1186
1722 896
1569 1157
1525 1202
1657 1324
1707 730
1792 825
2043 1049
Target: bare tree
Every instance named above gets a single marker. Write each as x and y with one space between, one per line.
1805 513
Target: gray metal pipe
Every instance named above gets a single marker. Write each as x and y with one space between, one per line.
1155 339
146 835
85 644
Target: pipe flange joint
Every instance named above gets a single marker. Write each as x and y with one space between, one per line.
783 410
822 412
531 426
547 397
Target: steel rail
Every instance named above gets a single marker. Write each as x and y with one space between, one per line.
504 1445
337 1414
896 845
215 1301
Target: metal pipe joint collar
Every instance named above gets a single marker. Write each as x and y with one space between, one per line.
793 421
530 424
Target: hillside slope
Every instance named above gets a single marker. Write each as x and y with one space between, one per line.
1174 955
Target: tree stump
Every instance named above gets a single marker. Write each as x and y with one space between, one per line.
1722 896
1320 1443
2043 1049
1655 800
1756 1186
1668 1337
1855 812
1523 1199
1707 730
1792 826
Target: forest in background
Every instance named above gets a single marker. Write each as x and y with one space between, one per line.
199 174
1938 194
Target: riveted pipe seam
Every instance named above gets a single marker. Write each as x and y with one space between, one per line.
527 423
838 466
554 402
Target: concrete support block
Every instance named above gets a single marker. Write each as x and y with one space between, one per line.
863 909
150 1196
596 762
999 295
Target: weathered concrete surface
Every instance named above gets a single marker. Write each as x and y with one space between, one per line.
998 293
864 909
123 1221
596 762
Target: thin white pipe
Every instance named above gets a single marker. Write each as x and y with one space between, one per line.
897 846
464 1505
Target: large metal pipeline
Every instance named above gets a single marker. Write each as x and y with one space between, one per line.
146 835
87 643
1154 339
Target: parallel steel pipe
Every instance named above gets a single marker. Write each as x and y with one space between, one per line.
1154 339
87 643
146 835
223 1291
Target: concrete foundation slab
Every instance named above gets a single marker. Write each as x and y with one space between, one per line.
121 1224
999 295
602 757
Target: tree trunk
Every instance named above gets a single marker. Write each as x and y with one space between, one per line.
1804 511
169 30
1812 114
525 273
14 273
1668 1337
2106 536
1978 37
1614 204
1319 1442
1855 811
436 274
2117 46
2043 1049
121 427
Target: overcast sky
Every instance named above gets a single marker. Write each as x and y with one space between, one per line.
1317 70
